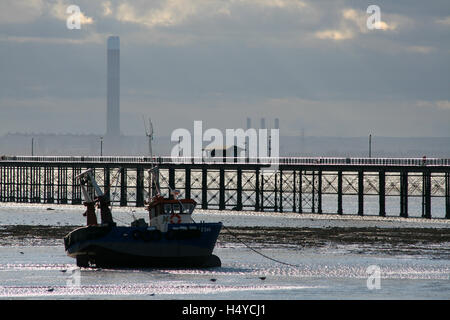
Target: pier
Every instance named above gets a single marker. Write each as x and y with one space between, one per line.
289 184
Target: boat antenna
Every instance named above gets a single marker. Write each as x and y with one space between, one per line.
149 134
154 173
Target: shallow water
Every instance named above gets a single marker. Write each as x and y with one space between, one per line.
44 271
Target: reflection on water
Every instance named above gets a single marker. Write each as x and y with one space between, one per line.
45 272
39 268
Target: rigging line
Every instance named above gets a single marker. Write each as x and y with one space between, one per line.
120 220
260 253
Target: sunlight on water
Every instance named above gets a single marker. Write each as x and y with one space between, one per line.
39 268
244 275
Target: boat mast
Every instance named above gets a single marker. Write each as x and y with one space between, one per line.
154 173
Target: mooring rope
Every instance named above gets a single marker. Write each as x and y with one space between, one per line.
256 251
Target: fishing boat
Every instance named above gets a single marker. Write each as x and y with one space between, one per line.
171 238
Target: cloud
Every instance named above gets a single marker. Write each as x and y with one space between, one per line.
421 49
107 10
439 104
445 21
168 13
443 104
20 11
335 34
382 25
186 12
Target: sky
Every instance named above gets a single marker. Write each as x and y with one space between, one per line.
315 65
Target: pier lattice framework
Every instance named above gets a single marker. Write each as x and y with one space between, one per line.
292 185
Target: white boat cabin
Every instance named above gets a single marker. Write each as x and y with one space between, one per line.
163 212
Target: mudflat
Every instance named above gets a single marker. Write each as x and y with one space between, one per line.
413 241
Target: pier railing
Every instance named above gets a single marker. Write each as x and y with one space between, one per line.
231 160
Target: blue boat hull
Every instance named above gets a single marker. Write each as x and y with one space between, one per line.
183 245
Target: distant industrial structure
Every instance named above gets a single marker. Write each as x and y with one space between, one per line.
113 87
112 142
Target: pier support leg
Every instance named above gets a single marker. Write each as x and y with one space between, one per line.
139 187
257 191
204 189
187 183
19 187
2 184
300 191
222 189
426 195
49 179
35 191
382 193
62 185
447 195
123 187
294 192
261 190
11 184
319 192
107 182
404 194
239 190
76 189
339 193
28 178
171 182
313 194
277 207
361 193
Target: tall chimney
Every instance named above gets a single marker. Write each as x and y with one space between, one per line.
113 87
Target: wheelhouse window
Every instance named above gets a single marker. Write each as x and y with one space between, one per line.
188 208
167 208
